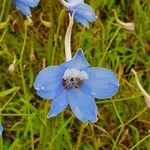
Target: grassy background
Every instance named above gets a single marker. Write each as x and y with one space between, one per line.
124 121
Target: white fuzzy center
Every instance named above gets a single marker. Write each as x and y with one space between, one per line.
74 78
74 73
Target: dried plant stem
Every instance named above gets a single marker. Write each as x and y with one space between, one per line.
145 94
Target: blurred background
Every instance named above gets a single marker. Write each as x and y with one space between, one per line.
124 120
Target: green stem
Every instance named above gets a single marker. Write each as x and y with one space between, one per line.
118 115
60 130
17 115
146 137
136 116
21 62
2 12
116 141
24 83
56 37
80 136
105 52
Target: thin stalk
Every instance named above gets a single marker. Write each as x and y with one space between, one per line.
136 116
64 3
27 23
68 39
3 35
119 117
145 94
2 12
20 60
105 52
17 115
146 137
80 136
60 130
56 37
117 139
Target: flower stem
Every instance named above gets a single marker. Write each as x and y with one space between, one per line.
145 94
64 3
2 12
68 39
139 84
70 4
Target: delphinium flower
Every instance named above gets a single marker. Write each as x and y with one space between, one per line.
25 5
144 93
76 84
1 129
83 13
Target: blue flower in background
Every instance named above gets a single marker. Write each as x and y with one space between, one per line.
24 6
1 129
83 13
76 84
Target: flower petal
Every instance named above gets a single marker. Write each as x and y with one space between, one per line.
23 8
102 83
51 94
81 20
83 13
82 105
30 3
58 105
49 82
77 62
1 129
71 3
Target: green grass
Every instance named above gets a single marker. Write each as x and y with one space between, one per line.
124 120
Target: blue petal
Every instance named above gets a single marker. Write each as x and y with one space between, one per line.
23 8
78 61
102 83
83 12
48 82
81 20
51 93
72 1
58 105
30 3
1 129
82 105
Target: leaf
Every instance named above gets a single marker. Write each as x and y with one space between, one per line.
7 92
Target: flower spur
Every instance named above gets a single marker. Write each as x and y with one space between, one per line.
24 6
76 84
83 13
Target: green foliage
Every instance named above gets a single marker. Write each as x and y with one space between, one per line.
124 121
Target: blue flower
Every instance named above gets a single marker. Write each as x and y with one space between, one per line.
83 13
24 6
1 129
76 84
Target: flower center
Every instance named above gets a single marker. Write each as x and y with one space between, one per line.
74 78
